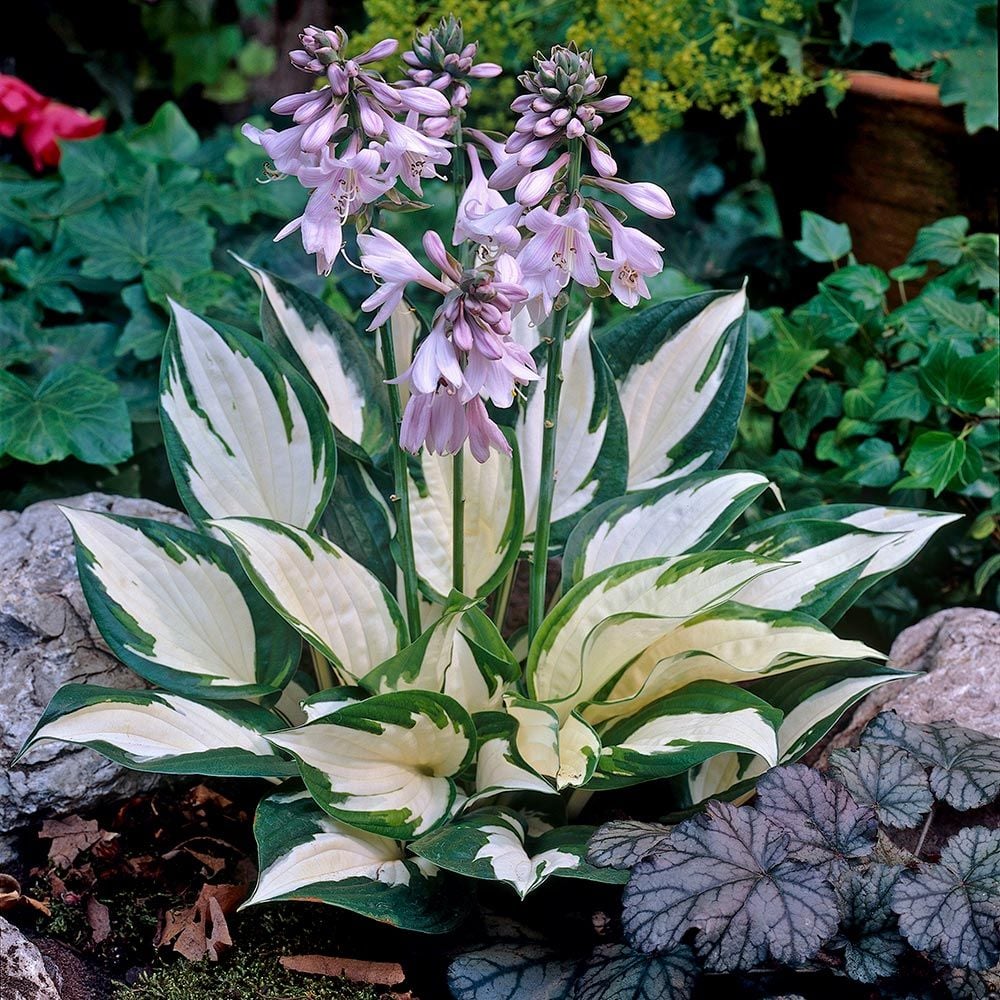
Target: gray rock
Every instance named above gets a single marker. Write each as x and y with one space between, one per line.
23 971
959 652
47 639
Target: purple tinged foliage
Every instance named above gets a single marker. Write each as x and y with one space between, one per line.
965 765
825 824
728 874
887 778
953 908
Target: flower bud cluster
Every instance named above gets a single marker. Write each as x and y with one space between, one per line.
441 59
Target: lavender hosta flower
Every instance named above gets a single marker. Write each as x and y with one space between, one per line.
634 257
478 200
388 260
341 188
442 60
560 249
411 155
442 422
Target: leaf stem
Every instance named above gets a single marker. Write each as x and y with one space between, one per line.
923 833
503 596
547 476
404 531
322 669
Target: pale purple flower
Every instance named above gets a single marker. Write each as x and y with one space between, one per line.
442 421
412 155
478 200
647 197
560 249
284 147
536 186
395 267
600 157
634 257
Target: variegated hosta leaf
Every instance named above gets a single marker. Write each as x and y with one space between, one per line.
834 553
565 753
305 854
329 350
461 655
158 731
245 434
681 369
176 607
494 521
732 643
493 844
344 611
386 765
330 700
811 701
500 766
685 728
358 520
688 515
591 452
609 618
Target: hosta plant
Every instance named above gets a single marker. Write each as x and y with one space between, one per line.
418 738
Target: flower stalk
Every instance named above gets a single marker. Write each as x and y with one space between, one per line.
547 475
404 532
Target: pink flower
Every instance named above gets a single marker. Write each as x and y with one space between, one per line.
443 422
284 147
537 186
41 121
395 267
634 257
648 198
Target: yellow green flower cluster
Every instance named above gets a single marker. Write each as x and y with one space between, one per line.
672 56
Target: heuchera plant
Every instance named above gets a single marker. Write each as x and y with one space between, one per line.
424 743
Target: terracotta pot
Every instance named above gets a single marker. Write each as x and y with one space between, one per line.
890 160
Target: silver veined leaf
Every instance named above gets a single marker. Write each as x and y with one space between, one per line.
684 729
245 434
727 874
568 663
461 655
681 369
494 521
333 601
615 972
887 778
175 606
163 732
624 843
493 844
304 854
953 908
386 765
340 365
686 515
590 451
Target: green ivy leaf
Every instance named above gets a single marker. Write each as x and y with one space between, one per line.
902 399
874 464
964 383
167 136
935 459
970 79
863 283
146 329
823 240
784 366
916 30
860 401
72 411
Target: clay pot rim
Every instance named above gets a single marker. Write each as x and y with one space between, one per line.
894 88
